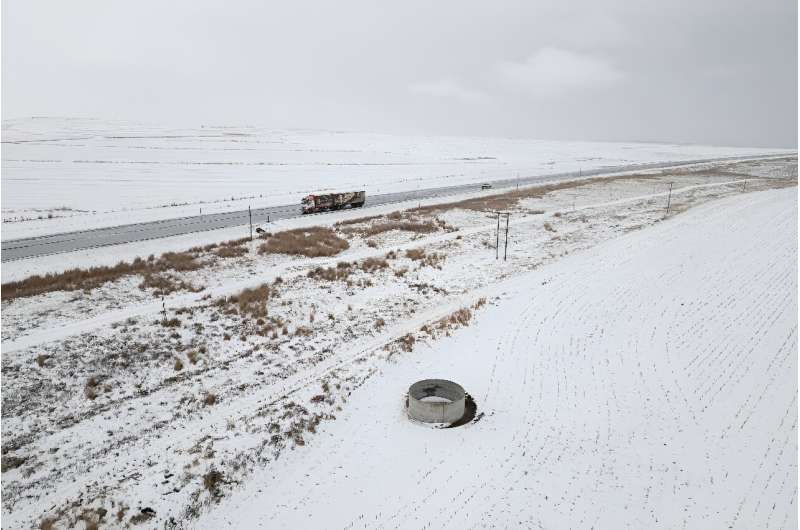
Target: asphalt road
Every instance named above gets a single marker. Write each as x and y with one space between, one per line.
18 249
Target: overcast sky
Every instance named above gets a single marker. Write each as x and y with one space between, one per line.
691 71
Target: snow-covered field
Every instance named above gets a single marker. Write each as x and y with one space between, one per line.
647 383
70 174
628 365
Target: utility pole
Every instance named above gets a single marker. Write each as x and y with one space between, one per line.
669 197
505 251
744 186
250 215
497 241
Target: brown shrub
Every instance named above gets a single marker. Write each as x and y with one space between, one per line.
178 365
173 322
460 317
341 272
9 462
302 331
549 227
41 360
252 301
210 399
379 323
231 251
48 523
192 356
212 481
90 389
433 260
372 244
415 254
407 342
373 264
310 242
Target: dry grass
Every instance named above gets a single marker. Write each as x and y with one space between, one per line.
212 482
311 242
231 251
173 322
91 388
9 462
165 283
510 199
143 515
48 523
373 264
93 277
302 331
424 227
406 342
253 301
341 272
415 254
425 260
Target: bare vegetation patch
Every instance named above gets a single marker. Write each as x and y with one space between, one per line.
9 462
341 272
86 279
231 251
311 242
165 283
253 301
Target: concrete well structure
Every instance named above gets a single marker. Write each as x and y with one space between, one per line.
436 401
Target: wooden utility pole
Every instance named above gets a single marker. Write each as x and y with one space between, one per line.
669 197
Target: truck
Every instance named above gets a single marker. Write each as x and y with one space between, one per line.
332 201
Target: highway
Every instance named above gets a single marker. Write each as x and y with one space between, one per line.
19 249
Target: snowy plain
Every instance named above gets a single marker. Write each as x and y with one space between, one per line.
64 174
106 410
649 382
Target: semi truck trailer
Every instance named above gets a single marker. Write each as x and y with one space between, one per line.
332 201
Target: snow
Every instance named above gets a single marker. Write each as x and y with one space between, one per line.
648 382
563 318
71 174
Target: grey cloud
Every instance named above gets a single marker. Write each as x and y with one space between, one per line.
694 71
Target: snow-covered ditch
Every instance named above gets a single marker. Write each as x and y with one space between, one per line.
123 414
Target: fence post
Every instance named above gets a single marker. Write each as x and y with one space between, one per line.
505 251
669 197
497 240
250 215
